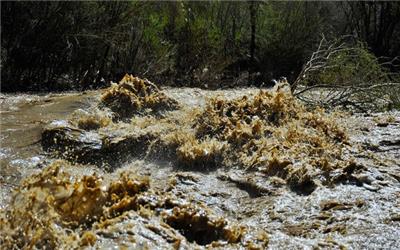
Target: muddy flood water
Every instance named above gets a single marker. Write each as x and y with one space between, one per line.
213 170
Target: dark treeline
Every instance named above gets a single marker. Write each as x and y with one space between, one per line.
67 45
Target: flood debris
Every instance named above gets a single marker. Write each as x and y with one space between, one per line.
327 205
197 225
55 209
133 95
234 173
270 132
91 120
384 120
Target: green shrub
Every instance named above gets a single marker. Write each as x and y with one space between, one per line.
349 75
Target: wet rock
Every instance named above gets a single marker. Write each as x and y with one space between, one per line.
364 178
334 205
393 142
382 124
105 147
395 217
370 187
251 185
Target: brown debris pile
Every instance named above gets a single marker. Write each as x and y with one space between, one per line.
55 209
136 96
91 121
36 212
270 132
198 224
269 126
275 134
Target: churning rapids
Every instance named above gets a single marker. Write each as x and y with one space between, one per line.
209 169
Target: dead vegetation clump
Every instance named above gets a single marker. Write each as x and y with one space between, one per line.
35 218
270 132
179 144
54 209
199 226
136 96
237 119
276 134
209 153
91 120
51 209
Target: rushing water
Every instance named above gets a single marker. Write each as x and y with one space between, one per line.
23 117
359 216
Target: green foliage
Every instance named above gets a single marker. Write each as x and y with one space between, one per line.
288 31
348 74
53 45
350 66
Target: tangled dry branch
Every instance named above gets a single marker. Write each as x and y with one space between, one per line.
343 73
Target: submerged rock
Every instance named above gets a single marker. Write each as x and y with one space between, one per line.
97 147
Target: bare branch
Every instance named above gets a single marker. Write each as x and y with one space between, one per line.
338 74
